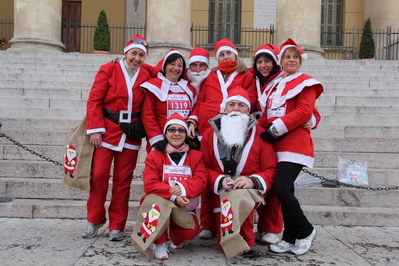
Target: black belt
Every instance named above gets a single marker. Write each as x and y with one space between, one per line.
107 114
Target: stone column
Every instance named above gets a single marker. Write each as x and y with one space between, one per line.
168 26
37 26
300 21
382 15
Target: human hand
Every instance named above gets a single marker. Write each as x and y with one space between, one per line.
95 140
175 190
307 125
225 185
191 130
182 201
243 182
271 134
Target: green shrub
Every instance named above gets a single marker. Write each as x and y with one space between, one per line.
102 35
367 46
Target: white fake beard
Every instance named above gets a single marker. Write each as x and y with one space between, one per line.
196 78
233 127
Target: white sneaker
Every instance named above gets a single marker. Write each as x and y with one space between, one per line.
303 245
173 246
116 235
205 234
281 247
161 251
269 238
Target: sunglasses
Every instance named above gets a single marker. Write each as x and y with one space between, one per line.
139 41
173 130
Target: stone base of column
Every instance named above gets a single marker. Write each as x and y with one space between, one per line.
158 48
36 44
313 51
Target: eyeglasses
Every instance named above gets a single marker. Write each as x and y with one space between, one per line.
139 41
173 130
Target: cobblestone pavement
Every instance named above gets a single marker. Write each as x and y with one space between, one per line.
59 242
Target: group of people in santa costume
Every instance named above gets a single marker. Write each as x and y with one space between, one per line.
233 138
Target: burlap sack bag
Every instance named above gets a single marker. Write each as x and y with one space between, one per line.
153 219
242 202
77 157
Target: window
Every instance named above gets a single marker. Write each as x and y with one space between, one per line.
224 20
331 22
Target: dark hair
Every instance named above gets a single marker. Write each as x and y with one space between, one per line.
161 145
275 69
172 58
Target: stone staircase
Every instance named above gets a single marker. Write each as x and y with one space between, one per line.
43 96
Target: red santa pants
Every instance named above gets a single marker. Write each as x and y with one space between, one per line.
178 234
270 216
247 230
207 216
124 165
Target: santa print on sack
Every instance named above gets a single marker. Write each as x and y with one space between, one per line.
150 222
70 160
226 223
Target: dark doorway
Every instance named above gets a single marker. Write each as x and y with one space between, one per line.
71 18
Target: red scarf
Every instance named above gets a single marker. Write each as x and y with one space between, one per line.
227 67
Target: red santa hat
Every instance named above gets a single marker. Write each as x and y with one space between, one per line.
224 45
199 54
137 41
290 43
169 53
270 49
238 94
176 118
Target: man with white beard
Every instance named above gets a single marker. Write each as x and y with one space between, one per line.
236 158
198 67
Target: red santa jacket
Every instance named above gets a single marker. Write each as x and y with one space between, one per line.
113 89
154 114
296 94
258 159
214 90
153 174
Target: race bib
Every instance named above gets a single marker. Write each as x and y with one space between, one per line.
176 173
277 112
178 103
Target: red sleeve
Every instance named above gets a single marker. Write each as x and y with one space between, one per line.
316 115
149 118
153 175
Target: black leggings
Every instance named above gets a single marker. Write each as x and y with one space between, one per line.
296 225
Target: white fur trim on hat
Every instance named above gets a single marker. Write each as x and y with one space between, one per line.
199 58
226 48
168 54
237 98
175 121
267 52
134 45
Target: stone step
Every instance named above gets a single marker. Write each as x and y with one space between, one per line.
360 132
361 84
357 145
362 91
359 120
31 188
45 84
43 112
45 103
35 124
38 92
357 110
42 169
324 215
27 73
374 160
357 101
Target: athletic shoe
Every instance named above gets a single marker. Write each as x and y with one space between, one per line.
161 251
92 229
281 247
302 245
115 235
254 252
173 246
269 238
205 234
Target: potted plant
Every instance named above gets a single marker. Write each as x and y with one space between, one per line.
367 45
102 35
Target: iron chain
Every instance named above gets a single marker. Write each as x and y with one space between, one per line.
2 135
332 181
